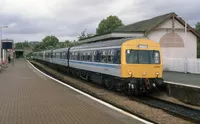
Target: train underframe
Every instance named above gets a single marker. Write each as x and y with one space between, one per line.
131 86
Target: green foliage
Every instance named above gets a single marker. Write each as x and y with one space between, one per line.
50 41
108 25
64 44
21 45
28 56
84 35
198 48
197 28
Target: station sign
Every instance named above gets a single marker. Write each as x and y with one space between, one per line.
7 44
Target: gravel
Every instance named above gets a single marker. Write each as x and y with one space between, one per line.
117 99
164 96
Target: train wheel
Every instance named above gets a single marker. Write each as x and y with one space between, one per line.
108 84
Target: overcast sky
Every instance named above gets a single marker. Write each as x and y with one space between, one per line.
34 19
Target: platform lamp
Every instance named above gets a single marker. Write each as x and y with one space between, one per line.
1 27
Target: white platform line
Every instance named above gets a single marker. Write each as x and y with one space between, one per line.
95 99
181 84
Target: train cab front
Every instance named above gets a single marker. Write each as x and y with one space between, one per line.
143 68
143 85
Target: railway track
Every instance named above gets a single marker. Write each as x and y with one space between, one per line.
176 109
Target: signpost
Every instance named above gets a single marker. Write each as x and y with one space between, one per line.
8 44
1 27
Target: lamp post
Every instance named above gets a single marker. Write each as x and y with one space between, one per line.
1 27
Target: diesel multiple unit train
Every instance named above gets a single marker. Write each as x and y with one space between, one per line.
129 65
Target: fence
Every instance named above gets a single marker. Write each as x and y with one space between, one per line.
182 65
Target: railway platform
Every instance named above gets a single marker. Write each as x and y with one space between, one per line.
189 80
29 97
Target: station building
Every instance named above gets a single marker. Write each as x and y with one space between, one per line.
177 38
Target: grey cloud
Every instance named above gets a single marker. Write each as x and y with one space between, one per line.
72 17
143 9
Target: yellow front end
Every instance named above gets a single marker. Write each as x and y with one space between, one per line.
137 69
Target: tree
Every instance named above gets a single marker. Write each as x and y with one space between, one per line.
22 45
83 35
19 45
197 28
108 25
50 41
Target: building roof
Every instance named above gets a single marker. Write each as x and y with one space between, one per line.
110 36
144 25
108 43
138 28
147 25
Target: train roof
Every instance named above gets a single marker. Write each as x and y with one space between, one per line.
109 43
61 49
47 51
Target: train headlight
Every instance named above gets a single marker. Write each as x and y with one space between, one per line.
157 73
144 73
130 73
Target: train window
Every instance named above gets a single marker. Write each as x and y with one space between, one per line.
93 55
81 56
75 56
51 54
97 56
110 56
78 56
131 56
54 55
57 55
85 56
103 56
142 57
65 55
70 55
89 56
117 56
60 55
155 57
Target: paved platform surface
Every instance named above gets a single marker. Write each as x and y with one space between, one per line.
28 97
182 78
